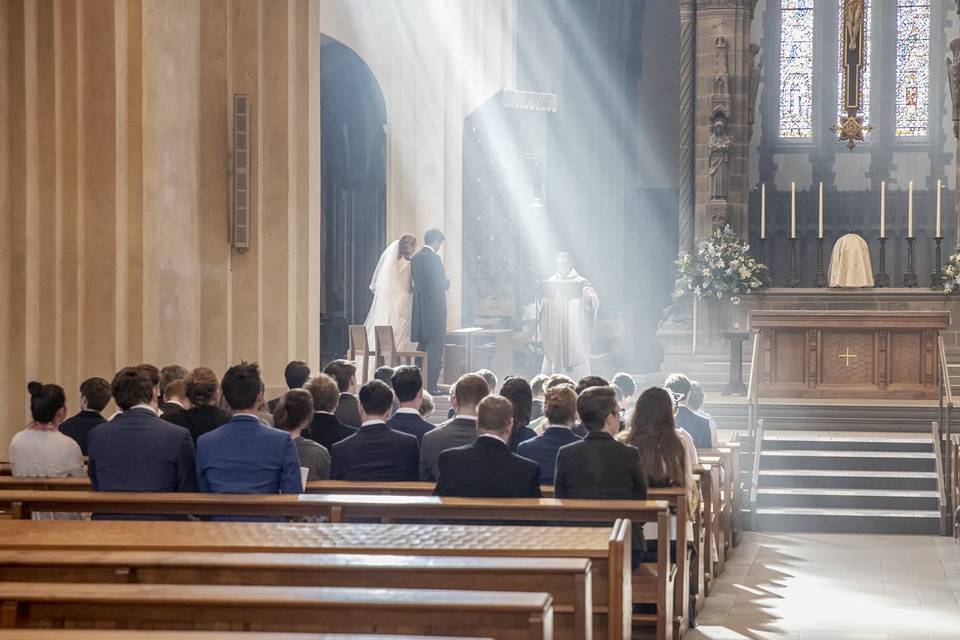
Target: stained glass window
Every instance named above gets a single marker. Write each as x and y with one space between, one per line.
913 67
796 68
865 63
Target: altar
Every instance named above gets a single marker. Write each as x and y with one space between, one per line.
848 353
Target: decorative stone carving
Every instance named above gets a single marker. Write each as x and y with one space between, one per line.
720 100
719 146
953 75
756 68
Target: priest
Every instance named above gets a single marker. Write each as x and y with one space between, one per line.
568 308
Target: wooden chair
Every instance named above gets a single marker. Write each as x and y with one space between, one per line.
360 350
388 355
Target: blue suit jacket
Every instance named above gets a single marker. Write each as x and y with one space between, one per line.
245 456
696 426
410 424
138 451
543 450
377 453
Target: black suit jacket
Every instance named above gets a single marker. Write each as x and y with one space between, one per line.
348 410
327 430
411 424
487 469
430 286
600 468
80 425
697 427
198 420
377 453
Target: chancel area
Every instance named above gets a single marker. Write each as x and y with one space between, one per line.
479 319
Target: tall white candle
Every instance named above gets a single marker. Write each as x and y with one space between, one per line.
793 210
820 230
910 209
763 211
938 209
883 209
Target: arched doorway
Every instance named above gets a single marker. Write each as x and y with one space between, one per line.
354 188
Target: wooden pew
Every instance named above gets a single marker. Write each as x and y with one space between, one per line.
43 483
113 634
567 580
607 548
503 616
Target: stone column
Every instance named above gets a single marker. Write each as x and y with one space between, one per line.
688 54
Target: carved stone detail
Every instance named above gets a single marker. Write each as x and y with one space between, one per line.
756 69
719 157
953 75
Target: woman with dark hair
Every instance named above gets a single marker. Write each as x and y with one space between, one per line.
520 395
203 391
40 449
293 414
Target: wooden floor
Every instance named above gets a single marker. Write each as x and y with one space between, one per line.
836 587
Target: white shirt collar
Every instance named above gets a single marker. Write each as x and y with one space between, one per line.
460 417
492 435
409 410
144 405
327 413
372 422
426 246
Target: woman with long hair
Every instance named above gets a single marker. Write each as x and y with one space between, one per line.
518 392
392 288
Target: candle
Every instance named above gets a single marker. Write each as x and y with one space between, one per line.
883 209
763 211
938 209
793 210
910 209
821 211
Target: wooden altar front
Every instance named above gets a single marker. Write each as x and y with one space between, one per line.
848 354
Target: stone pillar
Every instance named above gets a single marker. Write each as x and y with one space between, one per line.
688 54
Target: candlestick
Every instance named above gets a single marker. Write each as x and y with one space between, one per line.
910 275
793 210
820 214
936 278
883 209
910 210
938 209
793 278
882 278
763 211
820 278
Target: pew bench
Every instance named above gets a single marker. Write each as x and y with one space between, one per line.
608 549
567 580
112 634
502 616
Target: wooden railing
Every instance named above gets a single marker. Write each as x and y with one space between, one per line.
755 473
953 481
946 435
941 479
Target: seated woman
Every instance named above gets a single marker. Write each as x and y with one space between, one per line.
40 449
518 392
293 414
203 391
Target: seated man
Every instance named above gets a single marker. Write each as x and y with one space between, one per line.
695 404
175 398
486 468
560 408
461 430
599 467
94 396
696 426
138 451
244 455
295 375
376 453
628 387
348 409
407 384
325 429
171 398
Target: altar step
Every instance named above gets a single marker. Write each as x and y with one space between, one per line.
847 482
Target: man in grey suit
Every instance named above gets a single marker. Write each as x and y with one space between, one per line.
460 431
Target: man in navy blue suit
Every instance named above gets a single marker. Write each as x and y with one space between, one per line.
407 384
697 426
137 450
376 452
560 408
245 455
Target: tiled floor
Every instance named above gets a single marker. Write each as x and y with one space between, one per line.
836 587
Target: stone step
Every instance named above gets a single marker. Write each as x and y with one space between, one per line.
842 520
893 499
846 441
848 479
847 460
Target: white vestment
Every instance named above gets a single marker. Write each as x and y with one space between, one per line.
565 327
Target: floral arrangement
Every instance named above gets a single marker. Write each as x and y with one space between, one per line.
949 282
721 269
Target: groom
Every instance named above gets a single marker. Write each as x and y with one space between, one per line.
430 284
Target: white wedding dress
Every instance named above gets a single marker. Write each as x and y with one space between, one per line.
392 287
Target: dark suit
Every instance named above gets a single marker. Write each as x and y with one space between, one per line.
696 426
327 430
455 433
167 407
429 323
520 436
377 453
245 456
543 450
137 451
410 423
600 468
348 410
78 426
536 411
198 420
487 469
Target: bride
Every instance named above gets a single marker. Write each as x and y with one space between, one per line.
392 287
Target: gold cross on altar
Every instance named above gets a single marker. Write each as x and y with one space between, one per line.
847 355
